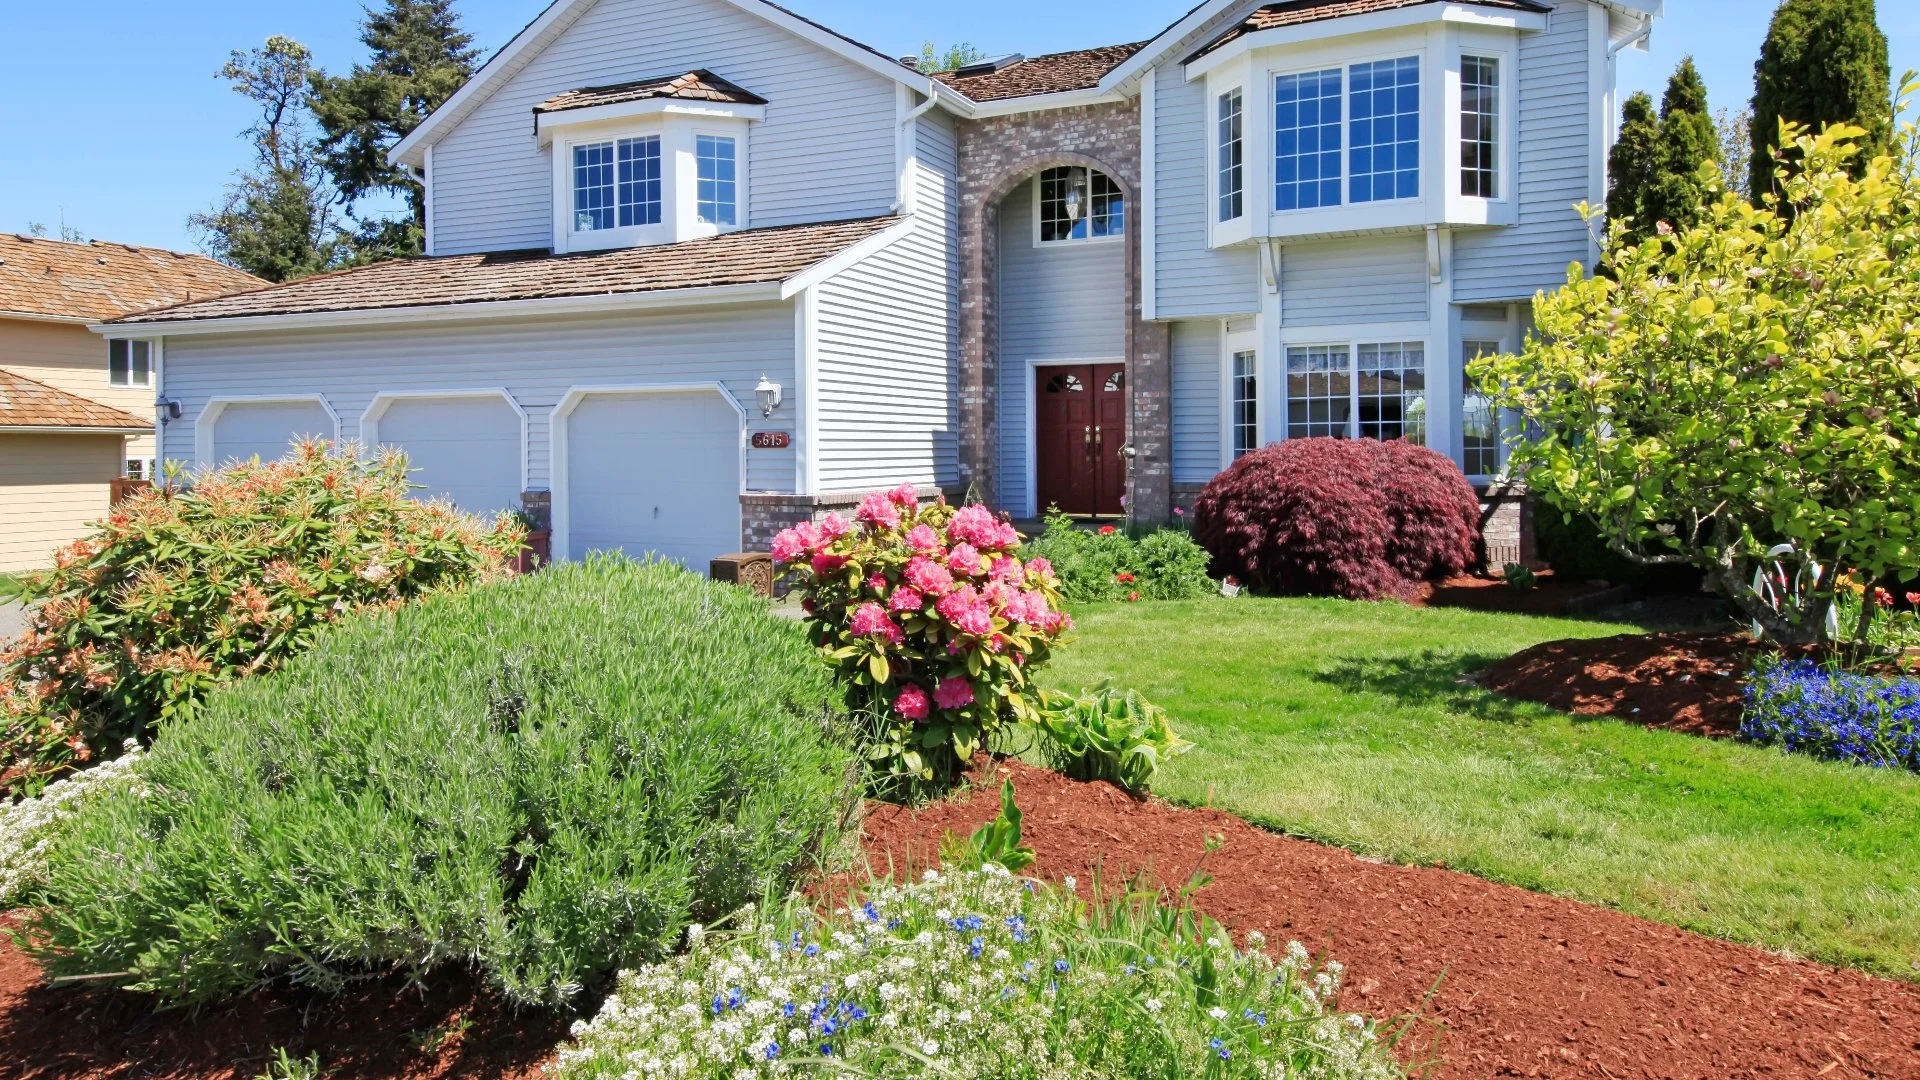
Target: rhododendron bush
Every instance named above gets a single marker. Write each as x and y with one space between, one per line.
934 622
179 590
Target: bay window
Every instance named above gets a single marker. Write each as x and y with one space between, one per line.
714 158
1384 130
1367 135
616 184
1479 126
1231 163
1306 140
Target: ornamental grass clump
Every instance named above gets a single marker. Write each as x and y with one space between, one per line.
933 621
540 780
180 590
1838 715
982 975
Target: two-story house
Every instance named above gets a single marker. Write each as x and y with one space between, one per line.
700 268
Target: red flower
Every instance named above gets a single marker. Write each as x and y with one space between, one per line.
1106 530
1123 578
1882 598
1914 598
1132 596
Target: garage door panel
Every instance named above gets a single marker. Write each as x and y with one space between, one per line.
654 473
266 430
464 450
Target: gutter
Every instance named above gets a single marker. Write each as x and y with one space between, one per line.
54 429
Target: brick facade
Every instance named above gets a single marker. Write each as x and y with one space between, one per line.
996 154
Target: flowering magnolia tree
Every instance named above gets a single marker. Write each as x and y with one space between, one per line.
1750 381
934 622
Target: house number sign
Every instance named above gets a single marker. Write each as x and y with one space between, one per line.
770 440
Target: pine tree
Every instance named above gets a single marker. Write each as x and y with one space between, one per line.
420 57
1632 165
1688 140
1824 62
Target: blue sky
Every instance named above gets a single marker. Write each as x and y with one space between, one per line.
128 135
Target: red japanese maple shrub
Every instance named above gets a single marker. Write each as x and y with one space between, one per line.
1357 519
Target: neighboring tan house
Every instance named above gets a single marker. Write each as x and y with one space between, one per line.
76 412
698 269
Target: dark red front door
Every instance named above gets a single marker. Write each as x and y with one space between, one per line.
1080 421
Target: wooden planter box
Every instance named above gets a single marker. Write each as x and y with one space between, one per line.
535 553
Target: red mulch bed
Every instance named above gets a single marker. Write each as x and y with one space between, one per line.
1529 985
380 1029
1682 682
1549 596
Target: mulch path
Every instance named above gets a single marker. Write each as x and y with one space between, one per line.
1529 985
1549 596
1682 682
382 1029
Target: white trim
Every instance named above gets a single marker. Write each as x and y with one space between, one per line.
1032 398
1065 99
648 300
35 316
1599 117
847 257
210 414
557 444
1231 344
546 124
1374 22
50 429
1149 128
806 367
377 408
426 198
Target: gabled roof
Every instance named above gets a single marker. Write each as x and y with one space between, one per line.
1053 73
700 85
1300 12
54 279
29 403
750 256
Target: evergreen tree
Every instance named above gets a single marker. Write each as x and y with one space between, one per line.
1687 141
276 220
420 57
1824 62
953 58
1632 165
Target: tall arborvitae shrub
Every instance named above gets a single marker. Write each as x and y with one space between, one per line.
1632 163
1655 164
1823 62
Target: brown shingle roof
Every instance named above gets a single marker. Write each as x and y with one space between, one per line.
740 258
699 85
1050 74
1296 12
98 280
29 403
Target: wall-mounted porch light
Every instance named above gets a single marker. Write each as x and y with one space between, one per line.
769 394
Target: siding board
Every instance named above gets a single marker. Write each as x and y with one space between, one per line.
1196 400
1358 280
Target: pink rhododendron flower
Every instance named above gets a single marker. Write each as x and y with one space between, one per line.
872 620
928 576
878 511
912 702
1027 607
1006 568
954 692
967 611
1040 567
906 496
877 583
976 525
824 564
923 539
790 544
907 598
963 559
833 527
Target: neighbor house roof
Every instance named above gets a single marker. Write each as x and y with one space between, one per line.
1297 12
29 403
55 279
701 85
747 257
1053 73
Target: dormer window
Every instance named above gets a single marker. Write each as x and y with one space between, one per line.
656 161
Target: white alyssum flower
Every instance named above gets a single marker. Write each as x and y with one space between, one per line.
29 828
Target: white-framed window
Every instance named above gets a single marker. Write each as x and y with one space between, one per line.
1075 203
1384 130
616 184
1482 441
716 163
1319 391
1374 390
1480 126
1243 397
129 363
1306 140
1347 135
1231 165
139 468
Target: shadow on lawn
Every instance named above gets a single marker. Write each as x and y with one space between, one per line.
1433 677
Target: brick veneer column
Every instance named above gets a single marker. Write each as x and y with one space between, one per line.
996 154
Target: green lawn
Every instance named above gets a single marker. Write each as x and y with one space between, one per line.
1344 722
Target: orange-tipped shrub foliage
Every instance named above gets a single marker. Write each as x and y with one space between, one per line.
1339 517
182 589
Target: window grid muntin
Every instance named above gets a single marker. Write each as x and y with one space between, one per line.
1231 164
1390 391
716 175
1245 399
1480 435
1103 205
1479 126
1319 391
593 186
639 180
1307 116
1384 130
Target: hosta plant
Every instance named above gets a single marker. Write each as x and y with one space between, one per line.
184 588
1110 734
935 624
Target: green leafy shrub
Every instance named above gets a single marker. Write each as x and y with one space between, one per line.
933 622
1574 546
1111 564
996 843
539 779
981 975
1110 734
182 590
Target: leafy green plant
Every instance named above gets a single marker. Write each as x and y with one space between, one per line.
284 1066
180 590
1109 563
1520 577
1749 381
537 779
996 843
1110 734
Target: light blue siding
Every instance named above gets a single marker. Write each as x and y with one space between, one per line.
536 360
1367 279
825 150
1196 400
1189 278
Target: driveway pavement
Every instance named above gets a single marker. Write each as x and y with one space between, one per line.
12 619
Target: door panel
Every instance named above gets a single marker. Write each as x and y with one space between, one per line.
1108 464
1063 437
654 473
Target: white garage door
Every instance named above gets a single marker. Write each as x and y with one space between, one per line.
266 429
654 472
464 449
